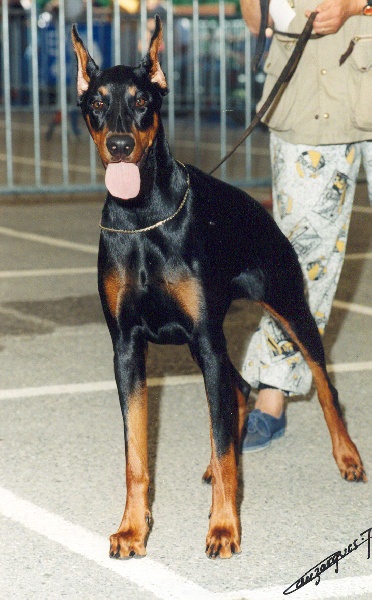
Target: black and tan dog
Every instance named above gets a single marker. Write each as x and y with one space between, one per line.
177 246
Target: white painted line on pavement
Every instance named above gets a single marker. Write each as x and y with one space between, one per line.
358 256
93 249
87 388
149 574
350 367
169 380
82 270
362 209
56 390
50 241
27 318
146 574
85 270
46 272
352 307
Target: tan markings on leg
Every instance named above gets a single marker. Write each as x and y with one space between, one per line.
115 284
188 294
131 536
344 450
223 537
242 411
207 477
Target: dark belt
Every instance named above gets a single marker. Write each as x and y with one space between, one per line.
313 36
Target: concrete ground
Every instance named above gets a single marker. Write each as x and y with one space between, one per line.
62 452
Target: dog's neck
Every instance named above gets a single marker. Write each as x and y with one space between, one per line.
159 164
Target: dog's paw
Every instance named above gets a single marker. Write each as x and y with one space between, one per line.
354 472
207 477
350 464
222 542
126 544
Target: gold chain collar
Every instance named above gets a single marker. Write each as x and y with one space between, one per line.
110 229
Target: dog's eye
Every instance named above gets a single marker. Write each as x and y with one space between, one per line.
140 102
97 105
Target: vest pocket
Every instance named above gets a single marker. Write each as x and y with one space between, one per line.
360 85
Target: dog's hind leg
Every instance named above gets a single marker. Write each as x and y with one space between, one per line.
296 319
242 394
243 390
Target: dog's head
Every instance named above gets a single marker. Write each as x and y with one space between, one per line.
121 106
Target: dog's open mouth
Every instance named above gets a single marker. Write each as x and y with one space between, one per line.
123 180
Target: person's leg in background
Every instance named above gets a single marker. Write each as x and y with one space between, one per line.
313 193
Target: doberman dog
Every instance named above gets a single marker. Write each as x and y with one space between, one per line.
176 247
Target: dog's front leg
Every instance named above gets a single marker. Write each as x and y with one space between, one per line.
130 539
223 538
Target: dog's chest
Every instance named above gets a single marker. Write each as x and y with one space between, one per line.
164 298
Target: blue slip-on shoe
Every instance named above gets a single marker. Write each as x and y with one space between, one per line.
261 429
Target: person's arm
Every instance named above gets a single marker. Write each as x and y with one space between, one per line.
251 12
280 14
332 14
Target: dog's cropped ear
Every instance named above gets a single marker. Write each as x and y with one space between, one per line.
151 61
85 64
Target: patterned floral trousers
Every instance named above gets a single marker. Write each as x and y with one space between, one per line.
313 193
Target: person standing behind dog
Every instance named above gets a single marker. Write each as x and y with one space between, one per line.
320 132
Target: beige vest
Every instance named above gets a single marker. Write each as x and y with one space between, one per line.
324 103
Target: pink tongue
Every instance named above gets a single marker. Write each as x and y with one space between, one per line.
123 180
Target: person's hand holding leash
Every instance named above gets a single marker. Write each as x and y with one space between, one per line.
332 14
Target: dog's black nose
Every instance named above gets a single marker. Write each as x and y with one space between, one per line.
120 146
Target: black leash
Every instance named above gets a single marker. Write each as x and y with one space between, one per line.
284 77
261 40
